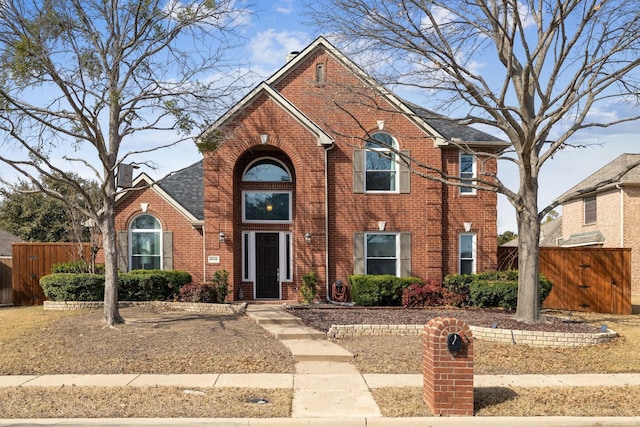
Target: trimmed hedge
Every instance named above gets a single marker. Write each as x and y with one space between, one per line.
137 285
492 289
73 286
381 290
79 266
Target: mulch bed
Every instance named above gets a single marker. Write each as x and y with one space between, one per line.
321 316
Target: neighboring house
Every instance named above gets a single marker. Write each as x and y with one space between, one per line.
6 239
550 234
293 179
608 216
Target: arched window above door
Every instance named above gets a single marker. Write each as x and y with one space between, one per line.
266 169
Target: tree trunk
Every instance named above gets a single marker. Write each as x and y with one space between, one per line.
528 309
111 313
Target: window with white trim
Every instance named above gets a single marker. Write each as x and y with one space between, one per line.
467 172
380 164
381 253
145 243
467 253
266 206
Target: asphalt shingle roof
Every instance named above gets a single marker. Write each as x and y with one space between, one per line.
450 129
608 173
186 187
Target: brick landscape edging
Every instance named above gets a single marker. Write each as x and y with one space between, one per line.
182 306
511 336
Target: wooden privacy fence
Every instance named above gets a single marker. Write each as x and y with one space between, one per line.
6 292
31 261
584 279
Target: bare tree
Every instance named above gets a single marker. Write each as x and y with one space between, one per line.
534 71
91 75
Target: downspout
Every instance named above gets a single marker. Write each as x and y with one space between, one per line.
326 219
621 215
204 254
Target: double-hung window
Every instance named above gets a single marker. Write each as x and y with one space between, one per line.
467 172
380 163
381 253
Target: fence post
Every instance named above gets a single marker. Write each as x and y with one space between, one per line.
448 367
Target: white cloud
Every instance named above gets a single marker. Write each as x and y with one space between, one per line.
285 7
272 47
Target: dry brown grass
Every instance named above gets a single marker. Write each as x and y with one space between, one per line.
153 341
398 355
33 341
144 402
522 402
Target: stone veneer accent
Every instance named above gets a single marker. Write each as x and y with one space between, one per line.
181 306
512 336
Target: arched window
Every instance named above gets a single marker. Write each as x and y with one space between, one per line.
146 243
261 204
380 163
266 170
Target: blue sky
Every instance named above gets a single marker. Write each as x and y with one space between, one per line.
277 28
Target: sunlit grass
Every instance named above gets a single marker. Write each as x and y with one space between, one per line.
17 321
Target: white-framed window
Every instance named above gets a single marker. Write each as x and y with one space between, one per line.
381 167
467 253
266 169
266 206
590 210
467 172
145 247
285 242
381 251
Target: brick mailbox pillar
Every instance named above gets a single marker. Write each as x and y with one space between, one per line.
448 374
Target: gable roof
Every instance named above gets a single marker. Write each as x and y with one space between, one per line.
442 129
183 189
610 175
264 89
6 239
186 187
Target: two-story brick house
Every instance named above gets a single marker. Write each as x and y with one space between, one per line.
603 210
318 169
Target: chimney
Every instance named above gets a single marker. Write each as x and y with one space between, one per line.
292 55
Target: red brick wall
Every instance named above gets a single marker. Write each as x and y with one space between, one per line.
433 213
187 241
448 378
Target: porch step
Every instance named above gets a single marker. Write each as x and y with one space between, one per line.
306 344
294 332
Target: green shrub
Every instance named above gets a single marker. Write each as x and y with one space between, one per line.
73 286
492 288
151 285
79 266
382 290
220 283
308 289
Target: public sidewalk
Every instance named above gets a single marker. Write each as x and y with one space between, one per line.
328 389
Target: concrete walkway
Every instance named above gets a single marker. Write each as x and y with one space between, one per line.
328 389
